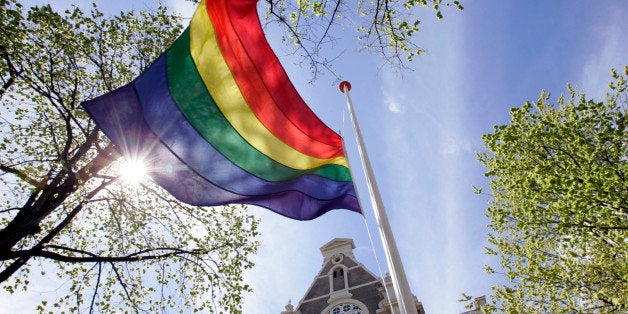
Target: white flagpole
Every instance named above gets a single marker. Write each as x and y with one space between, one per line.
405 298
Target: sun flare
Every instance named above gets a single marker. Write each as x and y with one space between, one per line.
133 171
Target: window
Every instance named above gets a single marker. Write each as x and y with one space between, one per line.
339 272
338 279
346 308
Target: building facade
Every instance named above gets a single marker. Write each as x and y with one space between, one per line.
345 286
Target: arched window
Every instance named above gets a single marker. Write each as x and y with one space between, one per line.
338 280
346 308
338 272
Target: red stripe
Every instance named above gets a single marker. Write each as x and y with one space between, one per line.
264 83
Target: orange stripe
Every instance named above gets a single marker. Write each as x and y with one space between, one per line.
222 86
244 18
256 92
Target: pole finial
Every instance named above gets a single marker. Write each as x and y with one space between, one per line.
344 85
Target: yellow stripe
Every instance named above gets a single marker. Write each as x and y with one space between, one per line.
222 86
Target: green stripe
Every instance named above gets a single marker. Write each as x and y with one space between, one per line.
191 95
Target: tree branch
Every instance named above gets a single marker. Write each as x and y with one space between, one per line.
89 257
22 259
115 270
20 174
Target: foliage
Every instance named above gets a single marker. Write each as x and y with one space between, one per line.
559 210
67 217
385 26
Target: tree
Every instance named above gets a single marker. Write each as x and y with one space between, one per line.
66 208
387 27
559 206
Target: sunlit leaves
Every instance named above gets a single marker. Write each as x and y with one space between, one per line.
393 26
559 212
387 27
126 250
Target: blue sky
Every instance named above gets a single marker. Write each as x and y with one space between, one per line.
422 129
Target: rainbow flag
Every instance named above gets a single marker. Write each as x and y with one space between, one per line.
217 121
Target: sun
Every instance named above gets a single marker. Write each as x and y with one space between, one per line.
133 171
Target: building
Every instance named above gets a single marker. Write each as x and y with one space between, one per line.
345 286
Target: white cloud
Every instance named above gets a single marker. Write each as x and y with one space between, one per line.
596 71
394 105
453 145
184 8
